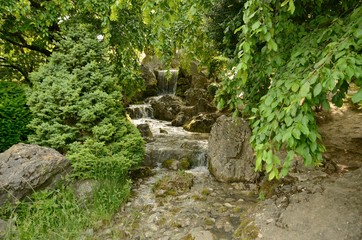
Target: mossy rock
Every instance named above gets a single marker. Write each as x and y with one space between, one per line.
185 164
171 164
173 184
247 230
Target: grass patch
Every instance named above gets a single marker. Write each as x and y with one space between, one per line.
59 214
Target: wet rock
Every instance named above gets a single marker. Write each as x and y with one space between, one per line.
150 82
203 105
148 65
231 158
145 131
169 147
166 107
180 119
201 123
25 168
173 164
183 83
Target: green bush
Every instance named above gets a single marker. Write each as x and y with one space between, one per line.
14 115
77 106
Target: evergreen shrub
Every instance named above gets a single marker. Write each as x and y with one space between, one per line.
14 115
77 106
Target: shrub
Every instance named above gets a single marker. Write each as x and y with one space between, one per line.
14 115
77 106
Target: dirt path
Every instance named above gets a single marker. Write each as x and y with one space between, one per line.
324 207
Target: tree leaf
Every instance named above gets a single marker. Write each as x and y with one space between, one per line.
291 8
357 97
288 120
268 100
304 89
295 87
317 89
296 133
255 25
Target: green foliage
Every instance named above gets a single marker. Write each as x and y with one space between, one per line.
177 29
14 115
225 16
29 30
59 214
77 106
289 59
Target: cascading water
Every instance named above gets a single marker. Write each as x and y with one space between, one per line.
167 81
169 142
138 111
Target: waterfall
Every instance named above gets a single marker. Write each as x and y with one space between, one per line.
167 81
138 111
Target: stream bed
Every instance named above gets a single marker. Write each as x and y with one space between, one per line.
206 210
170 204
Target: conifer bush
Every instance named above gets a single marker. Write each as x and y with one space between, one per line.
14 115
77 106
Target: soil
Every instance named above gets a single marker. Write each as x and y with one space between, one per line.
319 205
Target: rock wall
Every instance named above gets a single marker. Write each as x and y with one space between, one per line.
230 156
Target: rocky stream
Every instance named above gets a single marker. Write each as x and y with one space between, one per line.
175 204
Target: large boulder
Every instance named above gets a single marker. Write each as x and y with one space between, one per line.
230 156
150 81
26 168
192 95
166 107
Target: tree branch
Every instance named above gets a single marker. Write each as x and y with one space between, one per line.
17 68
23 44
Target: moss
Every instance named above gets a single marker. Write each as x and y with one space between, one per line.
188 237
247 230
175 210
198 197
268 188
185 164
168 163
205 192
237 210
209 221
